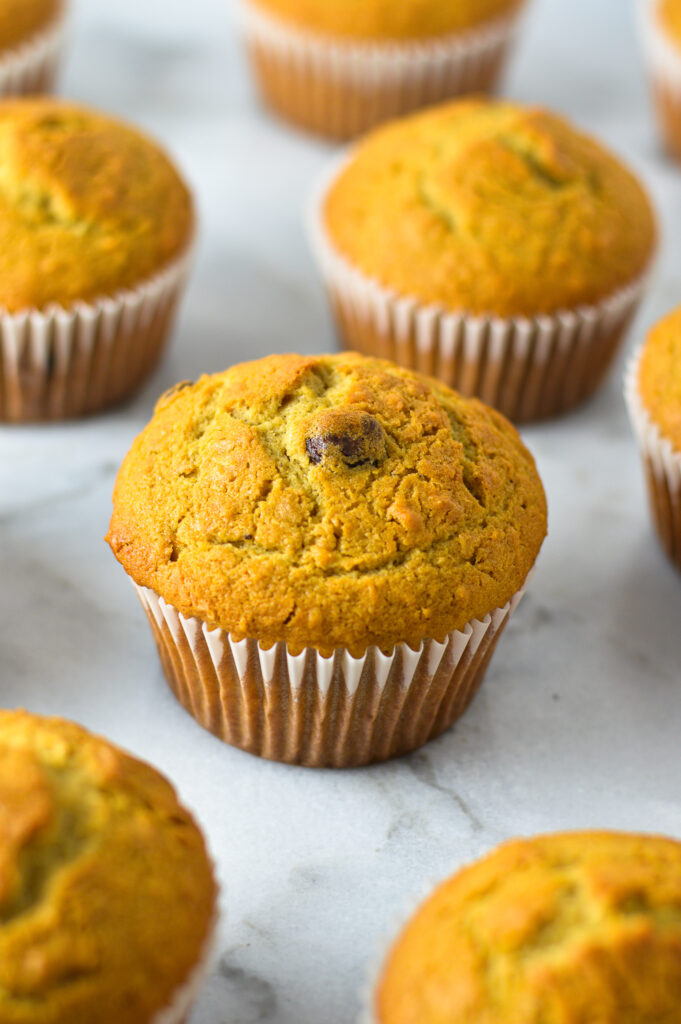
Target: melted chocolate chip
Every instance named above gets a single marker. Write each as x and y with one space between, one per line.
350 437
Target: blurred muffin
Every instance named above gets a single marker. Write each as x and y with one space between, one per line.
107 896
653 392
490 245
580 927
328 549
339 67
660 22
31 37
96 228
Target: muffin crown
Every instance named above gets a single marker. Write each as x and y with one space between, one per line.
556 930
106 890
659 377
490 208
88 206
380 20
328 501
669 15
20 20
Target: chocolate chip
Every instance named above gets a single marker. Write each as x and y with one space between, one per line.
348 436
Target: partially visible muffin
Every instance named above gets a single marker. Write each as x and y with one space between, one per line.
339 67
318 508
91 211
473 216
661 30
653 391
551 930
107 896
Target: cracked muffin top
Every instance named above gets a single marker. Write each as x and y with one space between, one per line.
22 19
330 501
659 377
380 20
559 929
88 206
106 890
669 16
490 208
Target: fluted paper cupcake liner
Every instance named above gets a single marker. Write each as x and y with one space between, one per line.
527 368
63 363
662 466
306 709
340 89
182 1003
31 67
664 65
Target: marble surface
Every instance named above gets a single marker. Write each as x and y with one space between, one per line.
579 721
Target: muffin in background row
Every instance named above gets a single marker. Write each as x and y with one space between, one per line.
653 393
107 894
96 232
339 67
31 39
328 550
490 245
660 22
558 928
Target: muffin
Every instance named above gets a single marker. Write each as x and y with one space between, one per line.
560 928
328 549
96 227
107 895
660 22
653 393
490 245
31 37
339 67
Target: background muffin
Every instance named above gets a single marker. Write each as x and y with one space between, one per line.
107 896
653 391
469 242
338 67
31 36
91 212
584 926
660 22
320 508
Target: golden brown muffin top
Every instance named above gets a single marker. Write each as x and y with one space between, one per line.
489 207
22 19
380 20
328 501
669 16
560 929
88 205
659 377
106 890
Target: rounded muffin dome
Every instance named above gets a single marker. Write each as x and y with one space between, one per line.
557 929
88 205
659 377
20 20
330 501
669 16
107 895
385 19
490 208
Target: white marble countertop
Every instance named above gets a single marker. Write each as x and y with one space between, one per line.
578 723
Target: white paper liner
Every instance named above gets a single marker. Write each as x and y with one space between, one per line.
62 363
326 712
186 995
529 368
662 464
31 67
343 87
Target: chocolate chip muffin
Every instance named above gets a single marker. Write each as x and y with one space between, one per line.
326 516
107 897
559 928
